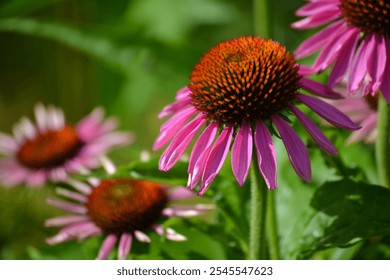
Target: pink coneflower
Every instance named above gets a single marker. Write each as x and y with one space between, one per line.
362 111
120 209
356 42
52 148
245 89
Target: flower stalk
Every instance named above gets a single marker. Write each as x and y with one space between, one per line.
382 144
257 241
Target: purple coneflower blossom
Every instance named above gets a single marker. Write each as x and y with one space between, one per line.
362 110
242 91
120 209
51 148
356 42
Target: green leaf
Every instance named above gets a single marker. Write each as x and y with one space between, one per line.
348 212
91 44
170 21
19 7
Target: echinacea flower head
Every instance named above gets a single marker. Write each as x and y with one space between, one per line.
241 92
52 148
363 111
356 42
120 209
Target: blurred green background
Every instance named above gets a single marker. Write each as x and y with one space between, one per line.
131 57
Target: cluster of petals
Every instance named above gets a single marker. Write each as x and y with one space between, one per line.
360 58
212 146
96 134
79 225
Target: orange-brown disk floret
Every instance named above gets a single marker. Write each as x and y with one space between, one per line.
50 148
245 79
126 205
370 16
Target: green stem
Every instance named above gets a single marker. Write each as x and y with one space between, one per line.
382 142
257 244
272 229
261 13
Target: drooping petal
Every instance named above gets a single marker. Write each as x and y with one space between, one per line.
385 86
266 156
343 60
216 158
377 64
65 220
313 8
187 210
242 153
106 247
178 145
67 206
368 125
317 41
182 100
172 126
296 149
319 89
328 112
200 153
124 245
168 233
330 52
359 64
316 20
315 132
72 195
142 237
180 194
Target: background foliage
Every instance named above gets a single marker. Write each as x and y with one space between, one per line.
131 56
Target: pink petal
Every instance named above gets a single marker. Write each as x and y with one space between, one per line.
168 233
72 195
200 153
36 178
328 112
183 99
368 125
296 149
124 246
242 153
358 69
172 126
216 158
385 87
315 132
316 20
178 145
317 41
332 49
142 237
180 194
319 89
343 60
316 8
65 220
187 211
107 246
266 156
67 206
377 64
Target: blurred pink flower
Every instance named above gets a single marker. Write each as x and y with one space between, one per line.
119 209
244 89
362 111
356 42
52 148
